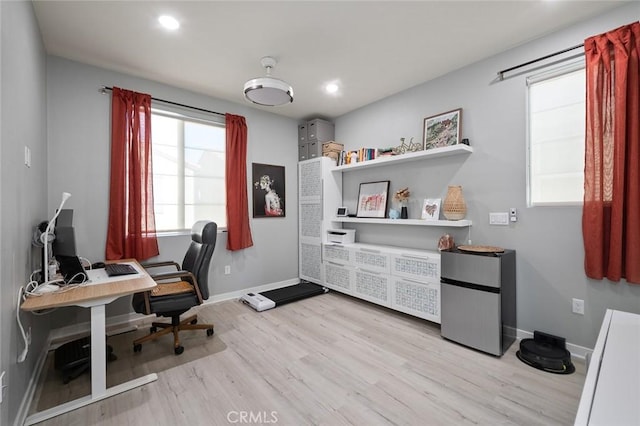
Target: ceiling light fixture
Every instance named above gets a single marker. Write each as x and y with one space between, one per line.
268 91
169 22
331 88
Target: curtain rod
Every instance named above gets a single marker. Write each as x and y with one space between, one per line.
501 73
104 89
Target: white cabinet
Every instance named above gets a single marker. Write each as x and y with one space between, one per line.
406 280
611 389
319 196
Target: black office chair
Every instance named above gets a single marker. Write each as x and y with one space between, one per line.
180 290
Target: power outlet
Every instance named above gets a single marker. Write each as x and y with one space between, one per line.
227 269
578 306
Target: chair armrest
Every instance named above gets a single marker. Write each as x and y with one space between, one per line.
158 264
174 274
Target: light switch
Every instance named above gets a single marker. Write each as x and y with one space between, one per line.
500 218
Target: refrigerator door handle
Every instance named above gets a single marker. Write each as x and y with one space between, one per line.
471 286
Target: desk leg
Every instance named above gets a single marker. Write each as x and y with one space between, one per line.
98 352
99 389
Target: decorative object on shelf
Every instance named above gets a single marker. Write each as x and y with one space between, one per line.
268 190
373 199
443 129
403 148
454 207
394 214
402 196
431 209
446 242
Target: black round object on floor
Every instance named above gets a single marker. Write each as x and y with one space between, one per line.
545 356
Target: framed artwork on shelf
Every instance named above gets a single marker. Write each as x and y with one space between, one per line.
372 199
431 209
268 191
443 129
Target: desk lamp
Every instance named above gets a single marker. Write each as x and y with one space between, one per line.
46 239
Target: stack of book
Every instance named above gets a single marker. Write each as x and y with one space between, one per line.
357 156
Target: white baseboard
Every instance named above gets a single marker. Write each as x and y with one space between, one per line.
577 352
23 410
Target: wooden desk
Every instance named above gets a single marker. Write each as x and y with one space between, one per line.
611 392
95 295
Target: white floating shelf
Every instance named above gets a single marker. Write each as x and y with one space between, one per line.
416 222
410 156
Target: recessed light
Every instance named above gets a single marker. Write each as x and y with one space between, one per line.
169 22
331 88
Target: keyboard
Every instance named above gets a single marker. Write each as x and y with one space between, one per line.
115 269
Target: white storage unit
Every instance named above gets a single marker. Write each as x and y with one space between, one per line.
611 389
406 280
318 199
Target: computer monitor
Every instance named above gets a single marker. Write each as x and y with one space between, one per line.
65 242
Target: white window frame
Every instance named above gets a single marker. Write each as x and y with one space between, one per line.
194 117
549 73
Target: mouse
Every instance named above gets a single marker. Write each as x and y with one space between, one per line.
47 288
97 265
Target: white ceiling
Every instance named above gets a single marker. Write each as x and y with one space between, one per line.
371 49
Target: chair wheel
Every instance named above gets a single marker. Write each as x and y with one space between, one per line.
153 329
178 350
195 321
209 331
137 347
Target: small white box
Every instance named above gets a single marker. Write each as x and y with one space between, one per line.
341 236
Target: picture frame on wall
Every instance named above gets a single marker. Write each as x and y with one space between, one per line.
268 190
443 129
373 198
431 209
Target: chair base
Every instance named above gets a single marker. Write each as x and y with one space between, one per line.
189 323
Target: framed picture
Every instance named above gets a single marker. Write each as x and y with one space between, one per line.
443 129
372 199
431 209
268 190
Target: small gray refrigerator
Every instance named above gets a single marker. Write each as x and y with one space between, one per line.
478 299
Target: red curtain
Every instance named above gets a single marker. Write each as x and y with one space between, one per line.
131 232
611 212
238 230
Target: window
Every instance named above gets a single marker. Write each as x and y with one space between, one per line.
556 126
188 171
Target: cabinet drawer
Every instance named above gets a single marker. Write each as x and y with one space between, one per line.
337 253
419 266
338 277
415 298
372 286
371 259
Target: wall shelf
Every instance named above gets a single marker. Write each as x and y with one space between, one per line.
415 222
403 158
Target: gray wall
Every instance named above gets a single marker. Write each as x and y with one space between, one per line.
548 240
78 138
22 190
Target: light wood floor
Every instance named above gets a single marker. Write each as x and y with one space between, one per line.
327 360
